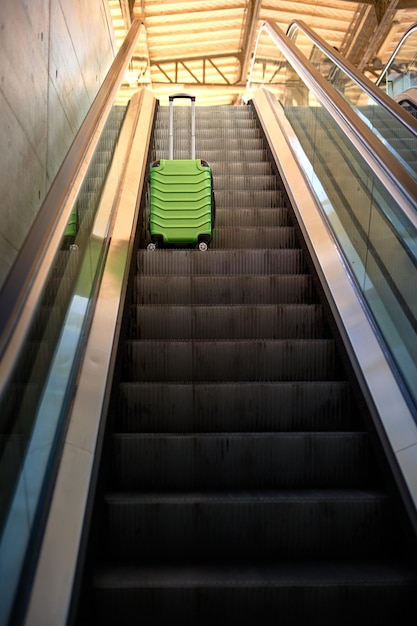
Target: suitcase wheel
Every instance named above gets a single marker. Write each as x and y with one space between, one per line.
202 246
151 246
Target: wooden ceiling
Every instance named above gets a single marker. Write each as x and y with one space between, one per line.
205 46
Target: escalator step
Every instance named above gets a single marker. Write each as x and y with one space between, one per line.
217 262
261 238
250 407
246 360
318 524
242 198
239 168
318 593
204 145
214 153
225 133
228 322
214 289
229 217
238 461
247 181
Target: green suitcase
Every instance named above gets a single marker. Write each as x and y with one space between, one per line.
181 195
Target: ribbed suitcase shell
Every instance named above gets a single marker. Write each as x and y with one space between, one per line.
181 194
180 201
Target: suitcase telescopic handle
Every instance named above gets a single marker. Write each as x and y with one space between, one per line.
171 123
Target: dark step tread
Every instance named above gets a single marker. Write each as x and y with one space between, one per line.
317 573
220 262
172 321
244 525
273 406
251 524
225 289
241 460
281 237
317 593
244 360
232 217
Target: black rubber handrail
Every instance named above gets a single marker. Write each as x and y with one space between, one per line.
393 175
374 92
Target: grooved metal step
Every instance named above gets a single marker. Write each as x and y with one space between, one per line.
248 198
248 131
317 524
239 406
227 322
221 262
250 181
262 238
239 168
268 217
203 146
237 155
251 360
315 406
304 591
230 461
223 289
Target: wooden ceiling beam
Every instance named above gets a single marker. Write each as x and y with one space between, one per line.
369 32
127 16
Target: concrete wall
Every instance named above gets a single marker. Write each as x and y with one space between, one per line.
54 55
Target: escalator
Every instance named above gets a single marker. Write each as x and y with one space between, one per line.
244 483
237 440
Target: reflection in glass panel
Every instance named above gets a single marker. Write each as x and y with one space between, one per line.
34 406
390 130
401 71
138 73
271 69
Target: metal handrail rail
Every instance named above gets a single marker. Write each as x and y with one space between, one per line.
401 185
406 35
358 77
20 293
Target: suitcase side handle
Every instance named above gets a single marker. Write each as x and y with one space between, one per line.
171 123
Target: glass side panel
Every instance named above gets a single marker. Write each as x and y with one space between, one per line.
34 406
377 239
400 73
38 391
392 133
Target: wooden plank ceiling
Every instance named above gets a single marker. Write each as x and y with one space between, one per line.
205 46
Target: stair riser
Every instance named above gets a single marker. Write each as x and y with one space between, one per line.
250 198
231 361
192 529
257 407
233 461
239 168
235 182
291 289
217 132
344 604
221 262
214 154
262 238
202 146
230 217
238 322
